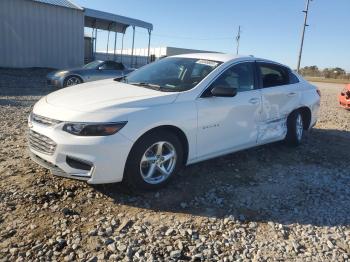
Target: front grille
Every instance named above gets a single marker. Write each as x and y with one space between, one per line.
41 143
44 120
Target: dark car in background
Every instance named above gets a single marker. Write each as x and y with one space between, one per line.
96 70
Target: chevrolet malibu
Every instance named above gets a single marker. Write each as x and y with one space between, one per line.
142 128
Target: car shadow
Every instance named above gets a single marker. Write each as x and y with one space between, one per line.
305 185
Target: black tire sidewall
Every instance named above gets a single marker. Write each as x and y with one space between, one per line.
292 137
132 176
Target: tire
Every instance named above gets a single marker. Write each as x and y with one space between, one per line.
145 157
295 129
72 81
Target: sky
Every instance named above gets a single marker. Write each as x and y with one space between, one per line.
270 28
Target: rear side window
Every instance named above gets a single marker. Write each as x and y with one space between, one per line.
273 75
293 79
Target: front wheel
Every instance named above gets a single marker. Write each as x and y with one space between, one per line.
72 81
153 160
295 129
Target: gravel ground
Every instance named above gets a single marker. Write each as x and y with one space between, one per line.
264 204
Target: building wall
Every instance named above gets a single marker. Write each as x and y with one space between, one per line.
88 49
33 34
131 62
170 51
160 51
140 55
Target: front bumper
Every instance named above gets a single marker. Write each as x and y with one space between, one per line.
106 155
55 170
53 82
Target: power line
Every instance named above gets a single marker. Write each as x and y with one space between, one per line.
306 11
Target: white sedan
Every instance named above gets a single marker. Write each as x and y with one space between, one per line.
141 129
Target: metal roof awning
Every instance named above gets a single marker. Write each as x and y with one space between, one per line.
111 22
99 20
62 3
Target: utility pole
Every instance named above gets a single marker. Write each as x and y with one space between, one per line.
306 11
238 38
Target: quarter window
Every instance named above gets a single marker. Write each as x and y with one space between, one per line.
240 76
293 79
273 75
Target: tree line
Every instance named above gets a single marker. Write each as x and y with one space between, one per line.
335 73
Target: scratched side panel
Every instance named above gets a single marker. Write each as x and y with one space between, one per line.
272 130
278 102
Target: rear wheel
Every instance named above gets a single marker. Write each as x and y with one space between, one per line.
295 129
72 81
153 161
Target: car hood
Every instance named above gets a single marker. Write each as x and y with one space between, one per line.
108 95
68 71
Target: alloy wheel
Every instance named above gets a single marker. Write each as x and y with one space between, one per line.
158 162
72 81
299 128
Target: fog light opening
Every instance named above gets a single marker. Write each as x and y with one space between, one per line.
78 164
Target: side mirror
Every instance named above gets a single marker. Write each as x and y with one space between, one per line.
223 91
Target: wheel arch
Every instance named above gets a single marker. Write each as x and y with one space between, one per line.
71 75
306 116
172 129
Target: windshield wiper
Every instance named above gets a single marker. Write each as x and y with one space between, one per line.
147 85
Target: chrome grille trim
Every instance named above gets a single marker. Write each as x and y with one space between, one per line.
44 120
41 143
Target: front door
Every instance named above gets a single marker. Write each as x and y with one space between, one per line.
227 124
110 69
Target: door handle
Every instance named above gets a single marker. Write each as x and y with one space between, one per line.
254 100
292 94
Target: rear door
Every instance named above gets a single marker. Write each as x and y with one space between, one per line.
280 96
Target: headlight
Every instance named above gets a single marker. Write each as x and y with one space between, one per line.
61 73
88 129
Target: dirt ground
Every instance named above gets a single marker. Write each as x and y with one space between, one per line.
263 204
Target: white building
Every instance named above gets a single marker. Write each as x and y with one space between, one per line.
140 57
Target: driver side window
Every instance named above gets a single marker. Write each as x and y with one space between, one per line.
109 65
240 76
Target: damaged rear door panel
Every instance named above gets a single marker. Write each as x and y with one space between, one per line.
280 96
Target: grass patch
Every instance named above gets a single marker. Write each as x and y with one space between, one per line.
327 80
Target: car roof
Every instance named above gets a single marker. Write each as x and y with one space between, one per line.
221 57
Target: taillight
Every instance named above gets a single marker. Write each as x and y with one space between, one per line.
318 92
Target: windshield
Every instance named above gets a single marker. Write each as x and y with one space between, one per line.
172 74
92 65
